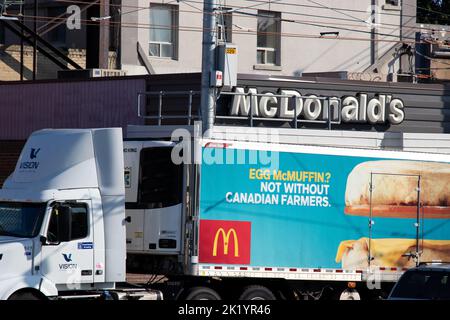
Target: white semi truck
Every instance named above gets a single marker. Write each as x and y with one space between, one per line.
62 219
244 213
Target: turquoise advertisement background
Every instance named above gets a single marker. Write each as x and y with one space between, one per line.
300 236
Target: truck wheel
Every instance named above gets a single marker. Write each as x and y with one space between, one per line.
257 293
24 295
202 293
350 294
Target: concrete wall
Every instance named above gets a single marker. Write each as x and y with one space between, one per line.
301 48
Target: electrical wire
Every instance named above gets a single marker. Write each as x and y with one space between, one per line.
30 18
139 25
235 8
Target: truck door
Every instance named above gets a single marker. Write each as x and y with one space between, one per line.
395 220
72 261
156 214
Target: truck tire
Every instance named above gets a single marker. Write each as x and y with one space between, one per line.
349 294
24 295
202 293
257 293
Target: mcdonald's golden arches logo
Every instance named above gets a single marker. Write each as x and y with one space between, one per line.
223 241
226 242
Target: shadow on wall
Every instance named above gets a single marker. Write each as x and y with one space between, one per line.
9 153
10 64
445 111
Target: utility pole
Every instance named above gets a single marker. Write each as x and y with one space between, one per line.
208 64
35 40
104 35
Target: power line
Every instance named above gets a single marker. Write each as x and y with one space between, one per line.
30 18
235 8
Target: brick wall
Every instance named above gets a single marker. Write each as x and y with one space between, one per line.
9 153
10 63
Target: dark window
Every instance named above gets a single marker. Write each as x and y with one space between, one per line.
2 33
160 179
80 223
225 23
426 285
433 12
21 219
392 2
57 34
268 38
163 31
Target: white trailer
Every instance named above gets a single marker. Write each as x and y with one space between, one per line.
167 204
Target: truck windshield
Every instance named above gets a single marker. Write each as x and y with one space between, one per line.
21 219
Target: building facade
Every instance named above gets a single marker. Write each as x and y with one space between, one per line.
290 38
66 25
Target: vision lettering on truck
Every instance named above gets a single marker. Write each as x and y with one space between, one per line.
67 266
31 164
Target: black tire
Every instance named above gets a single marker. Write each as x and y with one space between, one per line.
202 293
257 293
24 295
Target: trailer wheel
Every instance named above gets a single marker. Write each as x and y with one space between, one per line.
202 293
257 293
350 294
24 295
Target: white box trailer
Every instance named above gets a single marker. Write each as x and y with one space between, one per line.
284 213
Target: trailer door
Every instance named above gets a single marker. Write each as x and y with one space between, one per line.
158 209
395 220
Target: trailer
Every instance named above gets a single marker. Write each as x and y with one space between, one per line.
260 213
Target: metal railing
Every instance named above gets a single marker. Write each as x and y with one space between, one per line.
161 94
295 121
251 118
5 4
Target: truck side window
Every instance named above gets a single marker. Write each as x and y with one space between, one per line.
79 223
160 179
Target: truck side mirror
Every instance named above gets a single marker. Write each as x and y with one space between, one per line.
64 223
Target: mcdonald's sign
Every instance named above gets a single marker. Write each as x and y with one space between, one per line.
225 242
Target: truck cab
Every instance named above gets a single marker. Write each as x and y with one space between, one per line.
62 216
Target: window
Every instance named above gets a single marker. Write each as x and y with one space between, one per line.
429 285
79 224
433 12
2 33
57 34
392 2
225 26
161 180
269 38
21 219
163 31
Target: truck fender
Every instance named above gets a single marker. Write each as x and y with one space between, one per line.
37 283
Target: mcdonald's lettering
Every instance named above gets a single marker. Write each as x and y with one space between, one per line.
225 242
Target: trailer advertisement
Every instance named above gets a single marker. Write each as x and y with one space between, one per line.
325 210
